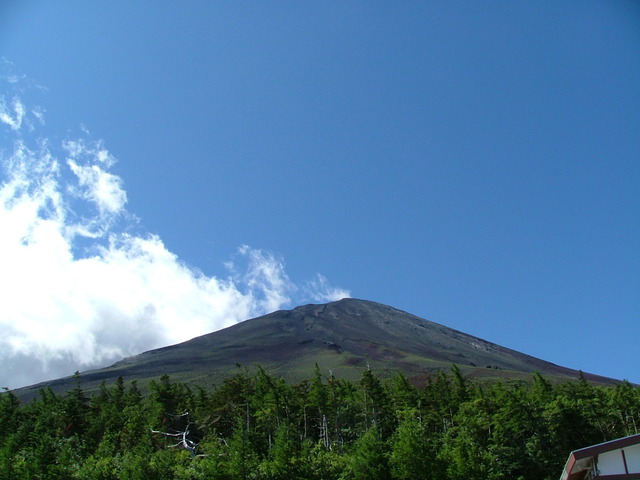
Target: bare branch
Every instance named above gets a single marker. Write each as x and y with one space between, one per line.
185 442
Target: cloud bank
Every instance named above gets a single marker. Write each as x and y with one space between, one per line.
78 290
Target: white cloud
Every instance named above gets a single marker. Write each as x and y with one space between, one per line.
99 186
11 113
65 310
322 291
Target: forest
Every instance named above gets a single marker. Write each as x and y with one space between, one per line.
256 426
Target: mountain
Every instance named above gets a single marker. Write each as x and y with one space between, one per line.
343 337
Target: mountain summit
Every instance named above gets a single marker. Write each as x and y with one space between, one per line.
342 337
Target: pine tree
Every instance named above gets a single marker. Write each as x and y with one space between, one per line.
413 454
368 458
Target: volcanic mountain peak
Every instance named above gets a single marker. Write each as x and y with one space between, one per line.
343 337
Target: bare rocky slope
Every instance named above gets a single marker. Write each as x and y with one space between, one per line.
342 338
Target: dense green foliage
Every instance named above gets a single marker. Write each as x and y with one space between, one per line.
255 426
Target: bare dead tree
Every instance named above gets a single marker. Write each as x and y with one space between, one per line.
184 441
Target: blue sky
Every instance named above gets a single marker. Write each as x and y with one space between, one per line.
473 163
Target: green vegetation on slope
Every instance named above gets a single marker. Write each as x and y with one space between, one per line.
257 426
342 337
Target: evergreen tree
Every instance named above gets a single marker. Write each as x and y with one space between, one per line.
368 458
376 404
243 461
323 428
283 462
413 453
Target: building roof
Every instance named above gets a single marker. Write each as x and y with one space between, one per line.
580 461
